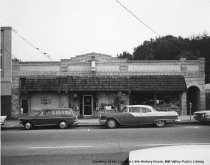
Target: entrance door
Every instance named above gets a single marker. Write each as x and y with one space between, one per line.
87 105
193 96
6 106
25 106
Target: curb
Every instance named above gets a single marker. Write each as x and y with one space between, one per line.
19 127
189 122
89 125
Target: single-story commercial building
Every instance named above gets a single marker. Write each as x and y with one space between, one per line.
87 83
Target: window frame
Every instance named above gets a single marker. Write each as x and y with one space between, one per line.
136 109
145 108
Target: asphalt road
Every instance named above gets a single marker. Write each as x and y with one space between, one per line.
92 145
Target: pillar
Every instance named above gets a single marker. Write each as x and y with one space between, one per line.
183 100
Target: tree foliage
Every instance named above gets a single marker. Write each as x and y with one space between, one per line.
173 48
125 55
119 99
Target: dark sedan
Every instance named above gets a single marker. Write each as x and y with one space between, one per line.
61 117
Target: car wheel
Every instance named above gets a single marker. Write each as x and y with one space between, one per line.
28 125
160 123
111 123
62 124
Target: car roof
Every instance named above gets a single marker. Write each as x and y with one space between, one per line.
146 106
57 109
204 111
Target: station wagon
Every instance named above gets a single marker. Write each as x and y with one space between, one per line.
60 117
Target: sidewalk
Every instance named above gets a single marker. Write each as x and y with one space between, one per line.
186 119
14 124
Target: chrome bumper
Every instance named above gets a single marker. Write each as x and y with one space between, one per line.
76 123
178 120
102 122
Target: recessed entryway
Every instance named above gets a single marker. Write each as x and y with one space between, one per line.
193 96
87 105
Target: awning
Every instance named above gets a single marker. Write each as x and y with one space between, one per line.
105 83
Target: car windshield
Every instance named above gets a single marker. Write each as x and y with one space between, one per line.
32 113
152 109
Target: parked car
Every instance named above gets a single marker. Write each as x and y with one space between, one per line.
202 116
176 155
61 117
3 119
134 115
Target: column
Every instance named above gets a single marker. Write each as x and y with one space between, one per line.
183 100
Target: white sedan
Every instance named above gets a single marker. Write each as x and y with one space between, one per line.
3 119
202 116
172 155
134 115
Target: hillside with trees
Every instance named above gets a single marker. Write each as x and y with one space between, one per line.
173 48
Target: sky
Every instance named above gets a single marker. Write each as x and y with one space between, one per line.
67 28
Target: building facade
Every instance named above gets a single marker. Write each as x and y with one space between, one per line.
6 71
89 84
207 96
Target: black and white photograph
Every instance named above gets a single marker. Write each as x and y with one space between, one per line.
105 82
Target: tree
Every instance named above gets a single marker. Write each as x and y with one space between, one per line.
119 100
173 48
125 55
16 59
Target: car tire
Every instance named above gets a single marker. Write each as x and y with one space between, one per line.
28 125
160 123
111 123
63 124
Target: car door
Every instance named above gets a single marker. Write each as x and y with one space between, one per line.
55 116
139 116
134 116
148 115
70 116
125 117
43 118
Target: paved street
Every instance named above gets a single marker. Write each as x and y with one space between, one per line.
93 145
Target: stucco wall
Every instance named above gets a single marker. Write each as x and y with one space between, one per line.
6 49
38 67
6 88
37 101
42 100
6 72
154 67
